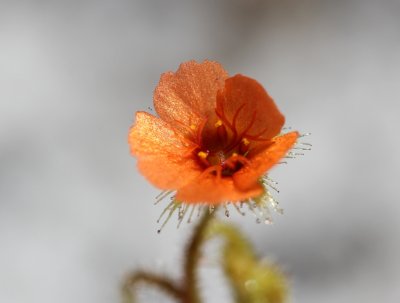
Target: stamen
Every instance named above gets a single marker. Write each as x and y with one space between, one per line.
203 158
244 146
221 115
221 132
218 123
202 154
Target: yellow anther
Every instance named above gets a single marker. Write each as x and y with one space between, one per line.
193 127
218 123
245 141
234 155
202 154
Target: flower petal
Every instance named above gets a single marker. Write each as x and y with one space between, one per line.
186 98
163 156
247 107
264 160
214 190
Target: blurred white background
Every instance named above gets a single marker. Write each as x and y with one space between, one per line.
75 215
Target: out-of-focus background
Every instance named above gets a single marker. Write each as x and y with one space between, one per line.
75 215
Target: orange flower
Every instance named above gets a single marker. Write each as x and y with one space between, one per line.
215 137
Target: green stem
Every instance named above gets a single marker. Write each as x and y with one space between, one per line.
163 283
232 236
192 258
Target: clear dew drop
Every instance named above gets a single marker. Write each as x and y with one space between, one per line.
268 221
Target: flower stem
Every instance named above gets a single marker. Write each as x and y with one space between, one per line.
192 258
163 283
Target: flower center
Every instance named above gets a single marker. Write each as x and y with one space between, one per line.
227 156
220 164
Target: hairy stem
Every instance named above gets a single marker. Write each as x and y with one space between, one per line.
192 258
163 283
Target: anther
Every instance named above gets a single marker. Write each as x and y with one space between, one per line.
221 131
193 127
203 157
244 146
202 154
218 123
